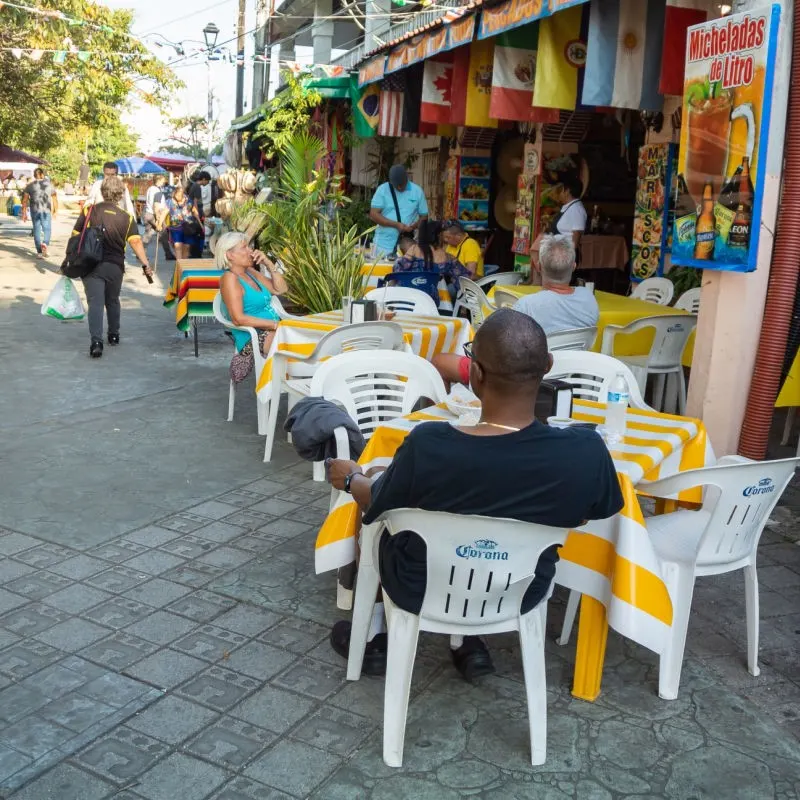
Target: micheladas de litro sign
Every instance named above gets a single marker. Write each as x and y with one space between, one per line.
727 100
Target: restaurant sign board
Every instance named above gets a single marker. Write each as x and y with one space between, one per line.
513 13
727 100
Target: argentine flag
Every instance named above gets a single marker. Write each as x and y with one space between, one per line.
623 55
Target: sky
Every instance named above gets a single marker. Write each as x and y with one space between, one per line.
183 21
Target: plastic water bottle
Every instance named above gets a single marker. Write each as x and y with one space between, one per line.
616 407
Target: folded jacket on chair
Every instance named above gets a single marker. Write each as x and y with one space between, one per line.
312 423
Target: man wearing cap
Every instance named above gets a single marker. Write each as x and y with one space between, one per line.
398 206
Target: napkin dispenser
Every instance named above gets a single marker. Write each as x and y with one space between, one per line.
363 311
554 400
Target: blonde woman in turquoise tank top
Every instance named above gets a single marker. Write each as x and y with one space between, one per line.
246 293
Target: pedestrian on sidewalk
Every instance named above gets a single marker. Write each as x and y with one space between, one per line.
110 169
40 196
153 202
104 282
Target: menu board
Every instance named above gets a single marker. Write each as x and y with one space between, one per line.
727 100
649 221
473 190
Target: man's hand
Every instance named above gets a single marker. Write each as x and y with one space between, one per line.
148 270
338 470
403 228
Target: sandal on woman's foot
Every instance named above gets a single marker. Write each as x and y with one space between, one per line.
472 659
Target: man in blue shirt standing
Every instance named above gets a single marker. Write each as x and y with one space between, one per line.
398 206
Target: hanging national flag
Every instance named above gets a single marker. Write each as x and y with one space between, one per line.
436 86
623 62
390 105
513 74
560 60
472 84
412 100
680 15
366 103
60 56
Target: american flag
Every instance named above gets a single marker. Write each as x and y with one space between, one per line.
390 119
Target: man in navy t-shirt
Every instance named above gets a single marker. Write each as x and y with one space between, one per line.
509 465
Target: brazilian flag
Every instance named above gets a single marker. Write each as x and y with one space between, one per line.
366 102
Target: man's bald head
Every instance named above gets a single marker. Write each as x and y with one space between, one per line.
510 349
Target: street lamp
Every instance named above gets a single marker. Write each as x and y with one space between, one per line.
210 33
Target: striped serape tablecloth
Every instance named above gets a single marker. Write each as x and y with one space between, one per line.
194 285
611 562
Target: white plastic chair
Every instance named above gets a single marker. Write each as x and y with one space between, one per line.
573 339
503 299
478 570
654 290
591 374
277 307
671 333
485 283
689 301
400 298
360 336
374 386
472 297
721 537
221 316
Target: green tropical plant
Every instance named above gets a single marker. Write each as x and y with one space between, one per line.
685 278
303 225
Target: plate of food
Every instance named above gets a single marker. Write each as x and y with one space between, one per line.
462 401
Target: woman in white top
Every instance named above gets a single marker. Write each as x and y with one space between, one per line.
572 217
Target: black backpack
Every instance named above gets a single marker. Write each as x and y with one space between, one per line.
84 252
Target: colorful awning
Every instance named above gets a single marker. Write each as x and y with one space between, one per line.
513 13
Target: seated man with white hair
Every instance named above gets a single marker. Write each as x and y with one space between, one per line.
559 306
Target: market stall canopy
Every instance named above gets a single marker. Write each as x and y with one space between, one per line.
136 165
9 154
331 88
247 121
176 161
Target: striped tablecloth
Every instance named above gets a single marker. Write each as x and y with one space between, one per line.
611 562
618 310
426 336
192 290
376 272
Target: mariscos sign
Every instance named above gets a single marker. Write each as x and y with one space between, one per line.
727 100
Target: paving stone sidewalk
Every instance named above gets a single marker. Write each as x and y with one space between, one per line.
163 635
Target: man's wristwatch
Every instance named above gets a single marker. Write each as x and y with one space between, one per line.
349 479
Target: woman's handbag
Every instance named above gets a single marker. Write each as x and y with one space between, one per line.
192 227
84 252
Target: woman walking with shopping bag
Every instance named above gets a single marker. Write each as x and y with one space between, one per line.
104 282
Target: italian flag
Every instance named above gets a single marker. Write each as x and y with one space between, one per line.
680 15
513 75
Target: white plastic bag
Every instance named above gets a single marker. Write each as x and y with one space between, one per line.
63 302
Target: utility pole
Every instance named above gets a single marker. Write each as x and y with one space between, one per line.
261 68
240 59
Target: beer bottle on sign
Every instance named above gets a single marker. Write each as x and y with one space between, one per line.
739 238
706 226
685 214
746 191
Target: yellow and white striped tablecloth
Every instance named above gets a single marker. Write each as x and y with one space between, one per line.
426 337
611 562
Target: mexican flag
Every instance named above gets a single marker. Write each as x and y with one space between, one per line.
513 73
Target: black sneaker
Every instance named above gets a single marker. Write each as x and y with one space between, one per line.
113 338
96 349
472 659
374 655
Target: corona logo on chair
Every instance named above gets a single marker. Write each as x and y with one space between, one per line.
481 548
765 486
675 328
418 281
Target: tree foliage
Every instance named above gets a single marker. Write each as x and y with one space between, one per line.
286 115
43 101
114 140
190 136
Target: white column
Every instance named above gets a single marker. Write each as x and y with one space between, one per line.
729 325
376 23
322 32
274 70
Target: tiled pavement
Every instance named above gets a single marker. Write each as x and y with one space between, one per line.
188 659
162 634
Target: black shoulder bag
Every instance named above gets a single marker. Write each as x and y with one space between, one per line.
84 252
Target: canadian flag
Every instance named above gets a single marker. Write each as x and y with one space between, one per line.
680 15
436 86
